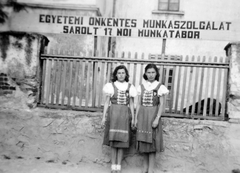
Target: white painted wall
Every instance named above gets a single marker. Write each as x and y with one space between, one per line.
226 10
79 2
104 6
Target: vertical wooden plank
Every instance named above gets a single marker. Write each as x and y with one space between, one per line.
44 73
70 82
167 75
115 64
88 84
141 71
184 87
105 77
97 80
65 62
195 91
75 84
189 88
166 84
225 76
219 77
59 71
178 88
122 62
162 74
101 80
135 70
48 83
206 100
109 71
128 64
53 80
212 88
91 75
82 81
95 84
162 70
92 90
172 90
201 88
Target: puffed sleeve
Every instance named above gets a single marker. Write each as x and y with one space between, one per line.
163 90
108 89
139 90
132 91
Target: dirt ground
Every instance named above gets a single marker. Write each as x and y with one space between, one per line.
40 166
63 141
19 153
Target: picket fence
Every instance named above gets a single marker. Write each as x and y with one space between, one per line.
198 85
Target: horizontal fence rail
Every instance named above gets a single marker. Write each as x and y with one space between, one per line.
197 85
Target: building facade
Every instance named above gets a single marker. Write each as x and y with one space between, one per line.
209 13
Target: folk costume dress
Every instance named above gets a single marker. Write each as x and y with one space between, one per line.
117 127
149 139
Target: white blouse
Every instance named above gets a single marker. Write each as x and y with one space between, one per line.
150 86
123 86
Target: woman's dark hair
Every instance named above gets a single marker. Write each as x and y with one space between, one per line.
155 68
114 77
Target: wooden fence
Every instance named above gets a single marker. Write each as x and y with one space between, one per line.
198 85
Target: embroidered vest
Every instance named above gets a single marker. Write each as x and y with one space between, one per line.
120 97
150 98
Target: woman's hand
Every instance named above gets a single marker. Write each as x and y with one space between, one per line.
103 122
155 122
105 109
132 124
135 124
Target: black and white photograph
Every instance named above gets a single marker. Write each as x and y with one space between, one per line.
119 86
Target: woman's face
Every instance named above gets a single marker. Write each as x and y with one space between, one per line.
151 74
121 75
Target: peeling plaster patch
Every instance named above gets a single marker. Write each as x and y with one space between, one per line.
29 49
4 45
18 45
16 69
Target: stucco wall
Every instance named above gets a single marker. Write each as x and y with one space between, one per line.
67 42
20 66
69 137
233 52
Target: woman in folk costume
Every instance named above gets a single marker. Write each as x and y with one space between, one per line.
149 135
117 115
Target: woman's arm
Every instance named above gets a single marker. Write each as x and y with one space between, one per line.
131 105
105 108
137 110
160 110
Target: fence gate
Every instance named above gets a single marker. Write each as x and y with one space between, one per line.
198 85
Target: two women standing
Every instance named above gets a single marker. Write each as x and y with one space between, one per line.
120 114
